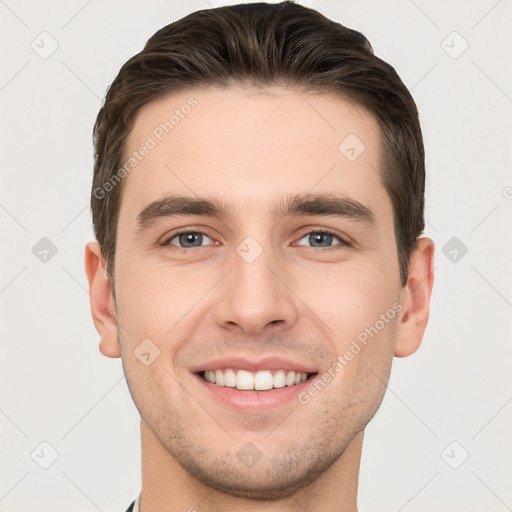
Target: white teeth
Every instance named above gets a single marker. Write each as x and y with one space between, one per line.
279 379
230 378
219 377
261 380
244 380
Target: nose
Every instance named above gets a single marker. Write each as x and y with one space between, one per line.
256 296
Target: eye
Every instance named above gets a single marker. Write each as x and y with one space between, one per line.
323 239
187 239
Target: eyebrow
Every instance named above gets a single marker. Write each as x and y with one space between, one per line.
177 206
327 204
299 205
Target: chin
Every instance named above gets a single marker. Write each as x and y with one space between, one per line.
269 479
256 487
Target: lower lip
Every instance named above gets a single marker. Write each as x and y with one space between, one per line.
256 401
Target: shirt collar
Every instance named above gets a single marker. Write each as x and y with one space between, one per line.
136 506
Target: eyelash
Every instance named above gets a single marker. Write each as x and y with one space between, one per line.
344 242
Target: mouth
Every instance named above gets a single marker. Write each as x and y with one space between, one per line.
259 380
253 392
254 383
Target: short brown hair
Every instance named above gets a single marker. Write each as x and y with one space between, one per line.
264 44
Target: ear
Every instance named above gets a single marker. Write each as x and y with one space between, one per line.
415 299
101 300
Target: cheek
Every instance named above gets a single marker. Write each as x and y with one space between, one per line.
155 301
352 300
364 321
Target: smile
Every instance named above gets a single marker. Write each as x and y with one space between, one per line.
260 380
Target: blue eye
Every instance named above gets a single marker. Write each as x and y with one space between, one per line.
323 239
188 239
195 239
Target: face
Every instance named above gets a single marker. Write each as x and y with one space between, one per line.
297 261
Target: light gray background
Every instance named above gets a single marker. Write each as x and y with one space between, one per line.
57 388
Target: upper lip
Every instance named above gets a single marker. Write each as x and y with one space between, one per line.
251 363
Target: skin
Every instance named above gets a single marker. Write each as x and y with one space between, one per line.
252 148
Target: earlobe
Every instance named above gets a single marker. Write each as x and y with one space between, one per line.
416 299
101 301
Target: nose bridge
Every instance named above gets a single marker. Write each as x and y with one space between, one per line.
254 295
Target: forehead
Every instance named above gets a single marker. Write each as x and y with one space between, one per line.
251 146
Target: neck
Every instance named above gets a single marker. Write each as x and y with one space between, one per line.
166 486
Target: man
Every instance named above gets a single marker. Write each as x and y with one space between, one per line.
258 202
